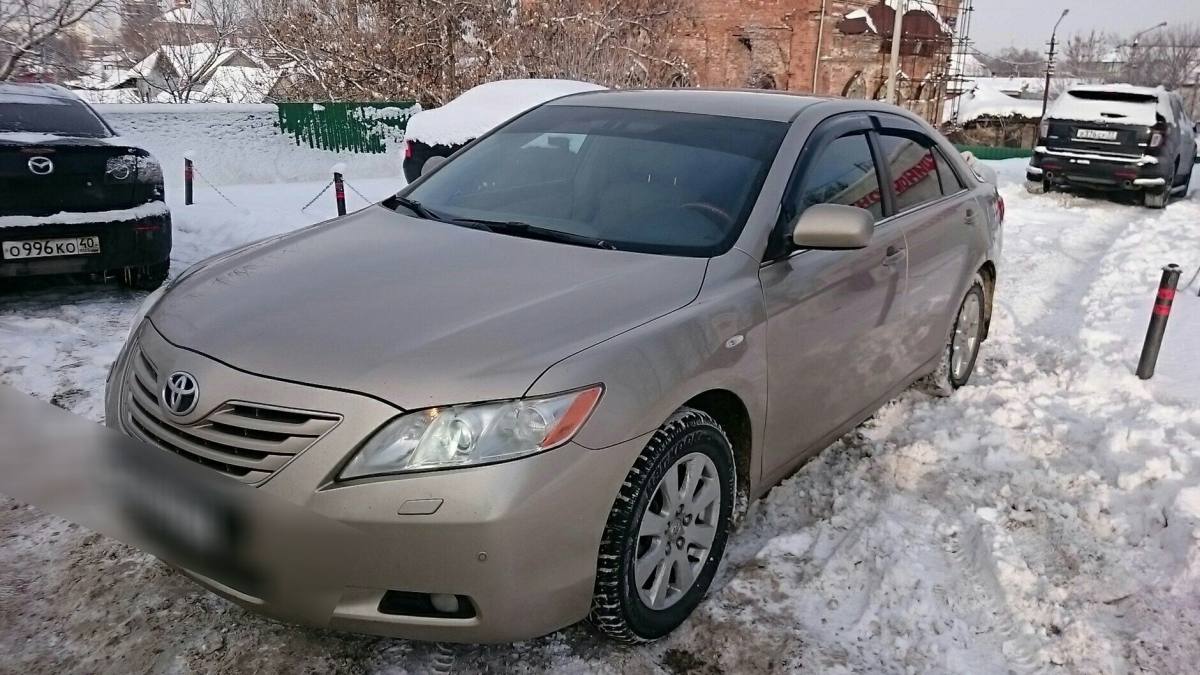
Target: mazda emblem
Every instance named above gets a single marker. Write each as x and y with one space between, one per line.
41 166
180 392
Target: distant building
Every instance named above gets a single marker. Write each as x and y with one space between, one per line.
830 47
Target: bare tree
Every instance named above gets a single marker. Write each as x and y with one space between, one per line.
187 44
1088 56
618 43
25 25
1167 57
1013 62
433 50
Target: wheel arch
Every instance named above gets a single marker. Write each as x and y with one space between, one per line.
987 272
728 409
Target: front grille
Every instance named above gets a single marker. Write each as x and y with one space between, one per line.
247 441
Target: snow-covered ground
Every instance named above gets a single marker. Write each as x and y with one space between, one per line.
1044 518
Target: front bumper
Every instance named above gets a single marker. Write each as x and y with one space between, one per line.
126 243
1066 168
518 539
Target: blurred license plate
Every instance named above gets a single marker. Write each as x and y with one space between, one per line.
1096 134
45 248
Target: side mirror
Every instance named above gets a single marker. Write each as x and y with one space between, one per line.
833 226
432 163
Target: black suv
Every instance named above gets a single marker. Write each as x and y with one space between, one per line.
73 197
1116 137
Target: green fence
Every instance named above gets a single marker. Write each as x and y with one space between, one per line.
353 127
985 152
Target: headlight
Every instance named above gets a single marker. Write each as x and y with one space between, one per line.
133 169
147 305
463 435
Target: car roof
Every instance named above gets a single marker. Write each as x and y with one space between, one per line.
25 90
759 104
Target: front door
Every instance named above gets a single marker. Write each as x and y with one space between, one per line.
833 317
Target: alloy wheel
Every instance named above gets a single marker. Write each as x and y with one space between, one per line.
967 330
677 531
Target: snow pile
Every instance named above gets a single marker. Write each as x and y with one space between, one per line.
985 101
482 108
1122 103
233 144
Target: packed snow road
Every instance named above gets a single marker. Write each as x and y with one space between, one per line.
1045 518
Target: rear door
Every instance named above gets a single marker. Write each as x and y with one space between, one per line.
938 218
834 323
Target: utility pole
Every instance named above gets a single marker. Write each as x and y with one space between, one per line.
1050 63
1131 65
897 30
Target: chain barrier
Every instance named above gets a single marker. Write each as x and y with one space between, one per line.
314 199
214 187
355 191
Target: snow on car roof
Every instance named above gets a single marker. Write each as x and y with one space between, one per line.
480 109
1117 103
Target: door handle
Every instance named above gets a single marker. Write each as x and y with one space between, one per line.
893 255
970 216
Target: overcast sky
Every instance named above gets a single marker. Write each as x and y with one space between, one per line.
1026 23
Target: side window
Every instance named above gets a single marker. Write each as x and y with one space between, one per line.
843 173
913 168
950 181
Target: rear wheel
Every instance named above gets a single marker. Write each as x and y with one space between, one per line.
667 530
1158 198
962 349
145 277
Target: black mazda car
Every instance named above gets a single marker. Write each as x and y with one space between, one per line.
75 198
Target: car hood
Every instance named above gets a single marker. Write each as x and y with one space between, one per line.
416 312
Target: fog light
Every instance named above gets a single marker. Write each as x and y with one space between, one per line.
444 603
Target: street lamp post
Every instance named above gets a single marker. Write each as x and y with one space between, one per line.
894 62
1133 47
1050 61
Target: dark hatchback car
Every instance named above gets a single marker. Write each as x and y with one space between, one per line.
1116 138
73 197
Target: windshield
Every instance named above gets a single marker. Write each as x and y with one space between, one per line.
637 180
51 116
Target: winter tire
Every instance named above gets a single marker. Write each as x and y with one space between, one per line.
1036 187
145 278
1157 199
667 530
962 349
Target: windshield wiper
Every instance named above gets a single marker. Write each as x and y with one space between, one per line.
517 228
419 209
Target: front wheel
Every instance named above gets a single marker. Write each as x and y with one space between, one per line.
667 530
962 349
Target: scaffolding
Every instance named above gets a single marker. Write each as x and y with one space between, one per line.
940 59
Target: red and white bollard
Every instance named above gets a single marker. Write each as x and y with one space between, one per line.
339 188
188 171
1158 321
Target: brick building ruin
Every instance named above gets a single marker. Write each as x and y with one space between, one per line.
830 47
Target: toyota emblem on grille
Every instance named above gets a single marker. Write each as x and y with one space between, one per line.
180 392
42 166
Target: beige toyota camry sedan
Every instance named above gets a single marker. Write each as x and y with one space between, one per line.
546 376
